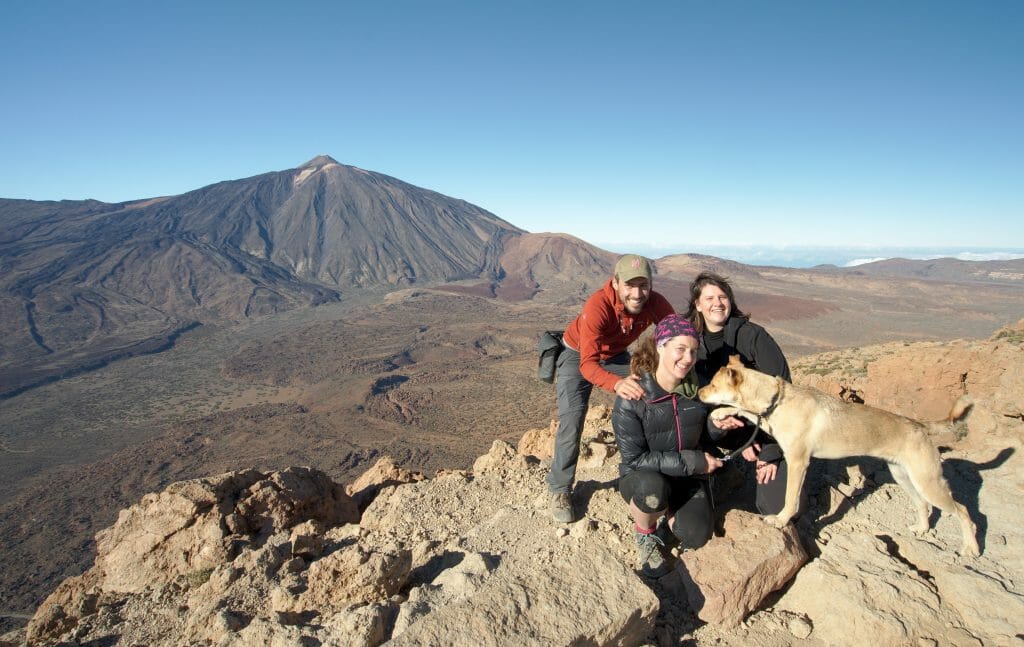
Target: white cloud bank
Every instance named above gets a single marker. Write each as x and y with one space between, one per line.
808 256
961 256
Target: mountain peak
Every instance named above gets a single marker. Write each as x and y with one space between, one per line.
319 160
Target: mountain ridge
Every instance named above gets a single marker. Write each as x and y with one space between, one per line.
85 281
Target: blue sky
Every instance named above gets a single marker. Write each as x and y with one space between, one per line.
676 124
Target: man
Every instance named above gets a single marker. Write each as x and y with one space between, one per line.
595 353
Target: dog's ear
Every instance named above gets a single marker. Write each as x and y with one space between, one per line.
735 361
731 374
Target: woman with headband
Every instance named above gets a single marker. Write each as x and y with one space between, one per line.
665 446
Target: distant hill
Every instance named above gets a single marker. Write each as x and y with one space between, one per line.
940 269
84 282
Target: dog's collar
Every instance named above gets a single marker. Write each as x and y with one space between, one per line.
776 399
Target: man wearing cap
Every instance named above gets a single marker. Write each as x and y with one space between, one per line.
595 353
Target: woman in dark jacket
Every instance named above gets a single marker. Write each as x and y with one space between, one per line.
726 330
662 440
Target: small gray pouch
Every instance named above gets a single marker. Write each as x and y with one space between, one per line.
550 346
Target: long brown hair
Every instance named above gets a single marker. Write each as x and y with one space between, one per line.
645 357
710 278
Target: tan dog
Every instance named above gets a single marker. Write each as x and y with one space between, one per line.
807 422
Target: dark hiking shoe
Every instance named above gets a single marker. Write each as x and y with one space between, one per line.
561 507
665 535
652 561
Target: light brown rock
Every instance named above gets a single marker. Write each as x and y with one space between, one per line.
307 539
170 534
598 413
383 473
856 588
538 443
176 540
501 456
355 574
470 557
292 495
594 454
924 380
549 604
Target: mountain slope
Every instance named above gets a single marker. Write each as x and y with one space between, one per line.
84 282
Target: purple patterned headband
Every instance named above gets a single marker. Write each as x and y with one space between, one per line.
673 326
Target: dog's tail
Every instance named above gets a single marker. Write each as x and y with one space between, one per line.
960 409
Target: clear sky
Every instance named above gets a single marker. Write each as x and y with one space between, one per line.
669 122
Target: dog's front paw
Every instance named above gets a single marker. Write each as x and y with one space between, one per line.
722 413
776 521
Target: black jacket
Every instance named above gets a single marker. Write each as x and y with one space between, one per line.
758 351
751 342
665 432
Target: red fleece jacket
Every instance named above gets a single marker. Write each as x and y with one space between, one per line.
604 329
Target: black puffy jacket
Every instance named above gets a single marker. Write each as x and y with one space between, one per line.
759 351
751 342
664 431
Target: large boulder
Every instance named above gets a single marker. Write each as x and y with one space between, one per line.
590 599
732 574
860 587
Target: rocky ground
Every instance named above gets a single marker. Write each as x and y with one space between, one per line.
429 377
471 557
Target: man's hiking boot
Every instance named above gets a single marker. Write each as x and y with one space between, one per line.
652 561
561 507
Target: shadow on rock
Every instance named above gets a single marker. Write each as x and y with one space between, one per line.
584 491
964 478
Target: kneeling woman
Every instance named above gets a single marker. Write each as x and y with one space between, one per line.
661 440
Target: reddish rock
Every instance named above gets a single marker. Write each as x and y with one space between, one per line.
731 575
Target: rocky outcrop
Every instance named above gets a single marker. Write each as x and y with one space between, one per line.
923 380
465 558
382 474
189 534
247 558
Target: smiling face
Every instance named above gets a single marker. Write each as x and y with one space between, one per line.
675 359
633 293
713 304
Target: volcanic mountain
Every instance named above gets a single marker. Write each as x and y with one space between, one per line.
85 282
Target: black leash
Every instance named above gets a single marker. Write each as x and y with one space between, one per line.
750 441
757 425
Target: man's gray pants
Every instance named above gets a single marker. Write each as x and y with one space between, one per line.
573 398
